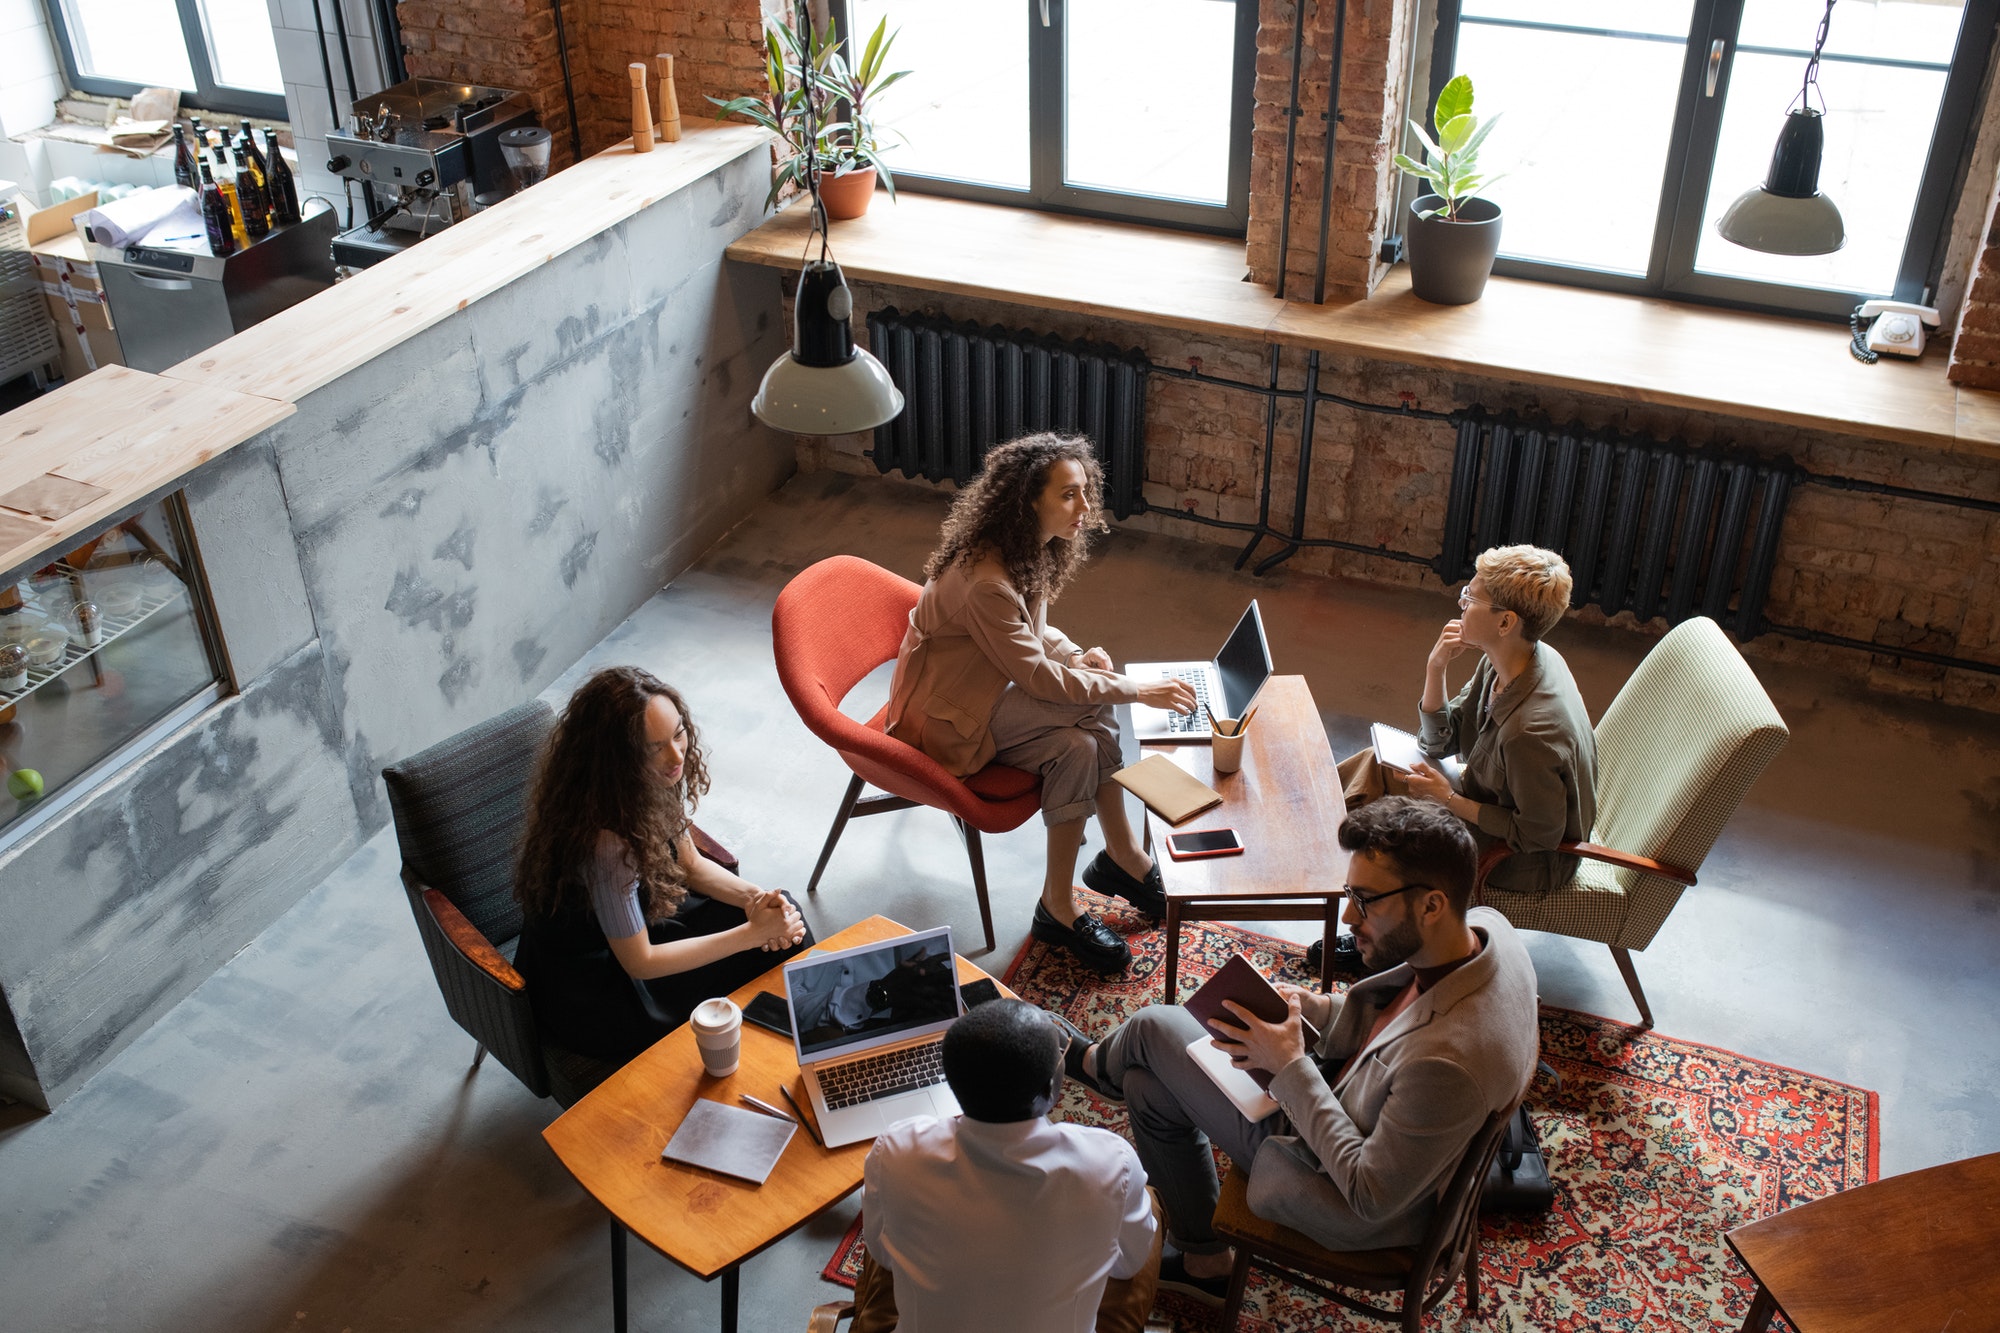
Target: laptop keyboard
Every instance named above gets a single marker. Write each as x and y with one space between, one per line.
874 1077
1196 680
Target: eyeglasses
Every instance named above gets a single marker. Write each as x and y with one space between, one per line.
1466 601
1363 901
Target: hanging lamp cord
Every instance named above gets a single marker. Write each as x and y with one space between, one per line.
807 91
1811 84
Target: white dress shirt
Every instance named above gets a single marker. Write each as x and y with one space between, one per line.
1008 1228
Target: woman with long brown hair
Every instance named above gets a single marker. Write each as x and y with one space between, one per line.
612 888
983 676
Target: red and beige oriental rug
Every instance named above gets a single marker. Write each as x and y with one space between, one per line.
1657 1148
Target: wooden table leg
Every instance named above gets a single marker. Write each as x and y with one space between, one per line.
1761 1310
617 1276
731 1280
1173 967
1327 937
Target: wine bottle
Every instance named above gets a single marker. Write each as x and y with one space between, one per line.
226 182
250 193
284 190
183 161
215 218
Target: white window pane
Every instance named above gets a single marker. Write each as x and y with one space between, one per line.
1147 97
1581 187
963 112
241 50
1879 124
133 41
1882 29
1668 18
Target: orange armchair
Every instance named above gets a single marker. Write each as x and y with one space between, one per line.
836 622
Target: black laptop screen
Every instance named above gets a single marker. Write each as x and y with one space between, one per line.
1244 662
896 988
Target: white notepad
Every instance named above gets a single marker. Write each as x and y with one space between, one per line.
1239 1087
744 1144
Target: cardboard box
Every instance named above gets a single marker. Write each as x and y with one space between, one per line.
71 286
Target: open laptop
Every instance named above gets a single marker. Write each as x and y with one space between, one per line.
1228 684
869 1026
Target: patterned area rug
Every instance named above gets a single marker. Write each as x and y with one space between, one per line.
1657 1148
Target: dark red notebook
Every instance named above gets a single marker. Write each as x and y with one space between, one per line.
1241 982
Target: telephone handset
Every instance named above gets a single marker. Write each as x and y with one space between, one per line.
1895 327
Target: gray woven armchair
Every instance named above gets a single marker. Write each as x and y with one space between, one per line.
459 807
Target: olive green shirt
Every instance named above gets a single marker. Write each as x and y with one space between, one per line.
1530 762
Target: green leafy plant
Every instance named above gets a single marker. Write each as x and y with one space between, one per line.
802 64
1453 157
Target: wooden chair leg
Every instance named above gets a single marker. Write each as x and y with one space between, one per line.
1625 969
839 823
977 855
1239 1282
1472 1273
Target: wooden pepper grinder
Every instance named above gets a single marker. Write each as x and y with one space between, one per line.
642 111
670 103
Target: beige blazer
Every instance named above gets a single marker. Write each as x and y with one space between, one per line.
970 637
1388 1135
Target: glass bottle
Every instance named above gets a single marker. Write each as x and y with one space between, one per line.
284 189
251 195
183 160
225 181
215 217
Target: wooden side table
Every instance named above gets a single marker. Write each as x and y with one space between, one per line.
1915 1251
1286 803
707 1223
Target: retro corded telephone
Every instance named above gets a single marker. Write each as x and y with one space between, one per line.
1895 327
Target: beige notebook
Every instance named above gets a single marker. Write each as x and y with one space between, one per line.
1168 790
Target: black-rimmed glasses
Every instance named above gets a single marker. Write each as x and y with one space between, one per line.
1363 901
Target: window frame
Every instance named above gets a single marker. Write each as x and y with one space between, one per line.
1048 130
1697 129
207 95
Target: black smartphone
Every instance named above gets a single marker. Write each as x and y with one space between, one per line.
976 993
767 1009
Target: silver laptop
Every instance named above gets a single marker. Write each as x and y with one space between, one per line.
869 1026
1228 684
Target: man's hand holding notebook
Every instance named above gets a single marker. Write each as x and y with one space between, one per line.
1240 985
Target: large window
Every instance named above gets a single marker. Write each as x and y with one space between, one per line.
219 53
1630 125
1120 108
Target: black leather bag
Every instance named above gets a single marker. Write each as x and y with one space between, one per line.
1518 1181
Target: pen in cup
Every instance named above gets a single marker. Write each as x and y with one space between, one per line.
766 1108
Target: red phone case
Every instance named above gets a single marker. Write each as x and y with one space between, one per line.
1180 855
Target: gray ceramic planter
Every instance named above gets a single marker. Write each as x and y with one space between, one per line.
1450 261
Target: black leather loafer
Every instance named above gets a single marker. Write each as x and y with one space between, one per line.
1346 958
1093 943
1107 877
1174 1277
1076 1044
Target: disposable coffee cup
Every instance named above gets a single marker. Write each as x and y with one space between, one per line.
718 1034
1228 754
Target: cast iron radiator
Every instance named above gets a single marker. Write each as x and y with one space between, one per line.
1656 529
971 386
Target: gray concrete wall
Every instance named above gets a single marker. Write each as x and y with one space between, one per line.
429 540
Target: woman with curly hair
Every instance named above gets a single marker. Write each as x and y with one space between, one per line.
613 889
983 676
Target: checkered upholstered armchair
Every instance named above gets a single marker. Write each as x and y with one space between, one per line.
459 808
1676 752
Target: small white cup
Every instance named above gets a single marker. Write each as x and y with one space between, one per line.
1228 750
718 1034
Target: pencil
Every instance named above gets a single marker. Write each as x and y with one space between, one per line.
1244 725
1213 724
804 1119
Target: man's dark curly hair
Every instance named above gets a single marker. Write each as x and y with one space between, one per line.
596 775
996 512
1427 843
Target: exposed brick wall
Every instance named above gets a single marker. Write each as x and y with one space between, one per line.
1975 351
1890 571
717 49
1374 82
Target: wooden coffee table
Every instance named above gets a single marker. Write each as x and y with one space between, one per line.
1286 804
707 1223
1913 1251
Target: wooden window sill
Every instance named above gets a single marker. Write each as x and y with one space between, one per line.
1758 367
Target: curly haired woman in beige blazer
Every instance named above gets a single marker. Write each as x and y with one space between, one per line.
983 676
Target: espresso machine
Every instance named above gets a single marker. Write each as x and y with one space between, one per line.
423 152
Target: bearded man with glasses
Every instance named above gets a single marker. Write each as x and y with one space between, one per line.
1374 1114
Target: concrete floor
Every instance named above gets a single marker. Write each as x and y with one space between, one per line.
297 1146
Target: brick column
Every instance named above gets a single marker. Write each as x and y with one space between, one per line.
1373 85
1975 350
500 43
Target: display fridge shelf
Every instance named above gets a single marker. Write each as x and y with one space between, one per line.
115 628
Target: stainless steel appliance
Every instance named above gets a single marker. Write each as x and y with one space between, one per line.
170 304
421 151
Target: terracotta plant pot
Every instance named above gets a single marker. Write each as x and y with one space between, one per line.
847 196
1450 261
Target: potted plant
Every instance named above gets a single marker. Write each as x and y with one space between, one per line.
802 64
1453 235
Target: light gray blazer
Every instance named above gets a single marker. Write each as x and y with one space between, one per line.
1368 1157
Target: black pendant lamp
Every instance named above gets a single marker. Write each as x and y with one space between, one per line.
1787 215
825 385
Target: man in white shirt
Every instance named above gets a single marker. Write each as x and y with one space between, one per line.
1000 1220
